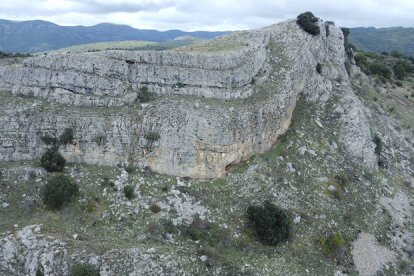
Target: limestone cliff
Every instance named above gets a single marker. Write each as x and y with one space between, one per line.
219 102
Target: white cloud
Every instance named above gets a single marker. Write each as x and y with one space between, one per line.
208 14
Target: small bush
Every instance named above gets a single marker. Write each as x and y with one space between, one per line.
100 140
361 61
399 71
342 179
270 223
319 68
107 183
380 69
129 192
52 160
155 208
130 169
49 140
349 48
84 270
39 272
161 229
58 191
334 246
144 95
307 22
67 136
206 232
378 144
397 54
152 136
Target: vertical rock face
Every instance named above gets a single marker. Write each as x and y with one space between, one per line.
218 103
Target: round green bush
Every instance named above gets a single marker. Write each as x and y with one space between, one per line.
270 223
59 190
67 136
307 22
84 270
52 160
129 191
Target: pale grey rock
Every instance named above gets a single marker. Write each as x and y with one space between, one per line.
5 205
312 152
302 150
331 188
121 180
369 257
28 251
198 142
290 168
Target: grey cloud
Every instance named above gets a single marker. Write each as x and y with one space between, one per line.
209 14
104 7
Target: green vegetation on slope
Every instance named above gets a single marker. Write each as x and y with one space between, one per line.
384 39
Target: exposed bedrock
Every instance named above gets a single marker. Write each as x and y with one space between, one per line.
215 107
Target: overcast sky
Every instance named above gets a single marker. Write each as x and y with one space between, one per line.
190 15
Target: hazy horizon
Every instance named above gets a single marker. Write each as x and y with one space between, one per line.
214 15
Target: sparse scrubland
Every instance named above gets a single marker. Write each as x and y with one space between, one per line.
333 195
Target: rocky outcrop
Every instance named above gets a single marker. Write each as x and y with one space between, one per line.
218 103
29 252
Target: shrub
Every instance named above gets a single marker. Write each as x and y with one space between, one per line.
397 54
67 136
206 232
161 229
107 183
129 192
152 136
400 70
130 169
39 272
49 140
270 223
52 160
83 270
307 22
144 95
319 68
362 62
333 246
380 69
155 208
58 191
348 46
342 179
100 140
378 144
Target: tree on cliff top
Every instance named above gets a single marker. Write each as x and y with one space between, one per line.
307 21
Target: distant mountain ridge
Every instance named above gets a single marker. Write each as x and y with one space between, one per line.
37 35
384 39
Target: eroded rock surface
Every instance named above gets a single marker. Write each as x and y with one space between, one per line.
219 102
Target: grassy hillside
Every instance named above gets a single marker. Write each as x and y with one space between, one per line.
384 39
128 45
39 36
